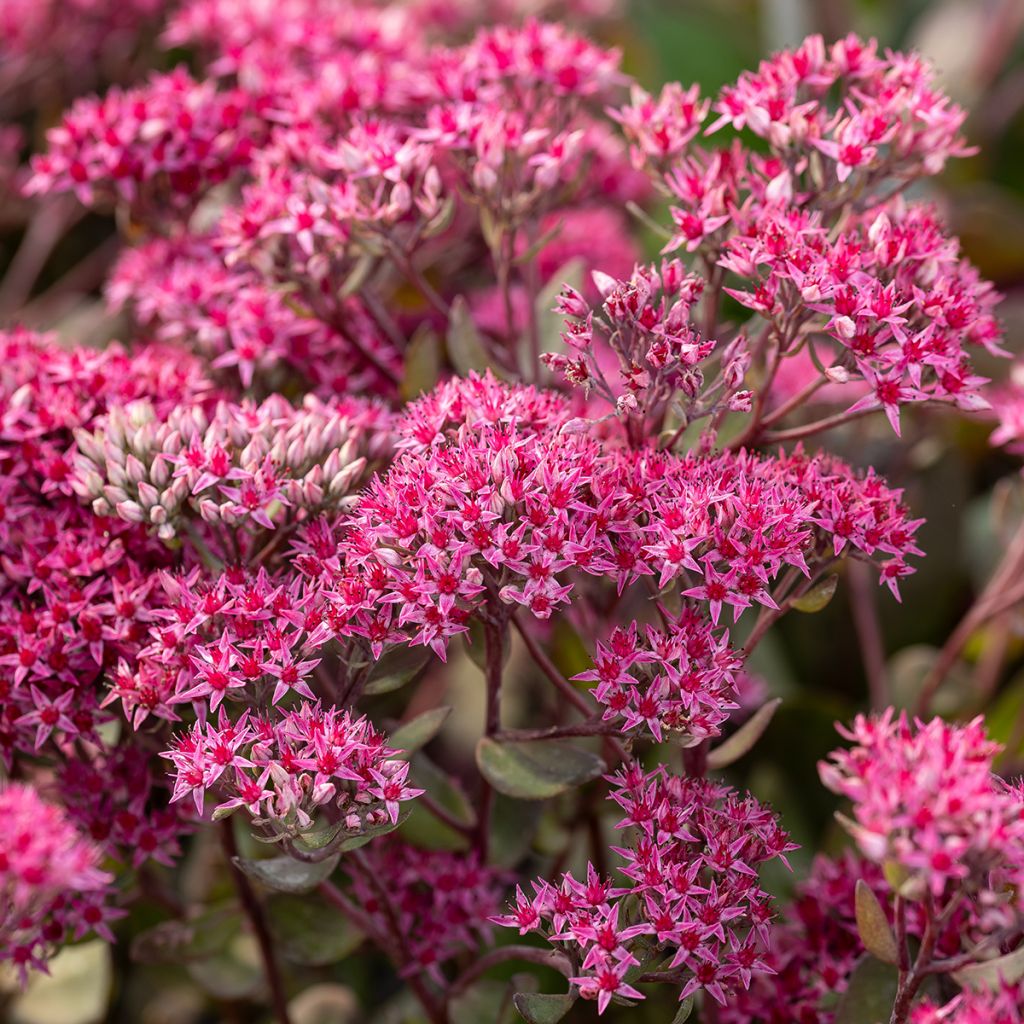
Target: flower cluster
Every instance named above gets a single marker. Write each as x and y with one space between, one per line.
809 237
444 900
51 885
815 944
651 343
182 291
681 679
975 1006
927 804
287 770
691 872
163 142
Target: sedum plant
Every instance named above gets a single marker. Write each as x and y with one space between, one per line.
401 383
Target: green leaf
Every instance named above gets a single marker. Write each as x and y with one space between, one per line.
310 931
541 1008
870 994
422 363
535 771
744 738
321 837
397 667
513 828
357 277
465 345
684 1011
1002 970
873 925
549 323
419 731
422 827
286 874
819 596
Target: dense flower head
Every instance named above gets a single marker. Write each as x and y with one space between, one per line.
691 890
905 310
681 679
444 900
181 290
335 59
815 945
167 140
498 492
1005 1005
50 878
247 463
287 769
871 116
926 803
1008 405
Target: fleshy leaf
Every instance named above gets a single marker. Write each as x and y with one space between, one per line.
744 738
418 731
1002 970
542 1008
873 925
818 597
869 995
286 874
535 771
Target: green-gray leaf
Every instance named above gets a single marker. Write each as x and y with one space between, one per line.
286 874
744 738
418 731
873 925
535 771
465 346
870 994
541 1008
310 931
396 668
684 1011
818 596
1002 970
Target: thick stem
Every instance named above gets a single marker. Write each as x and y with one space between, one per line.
254 912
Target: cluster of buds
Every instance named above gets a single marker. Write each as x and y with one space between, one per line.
238 464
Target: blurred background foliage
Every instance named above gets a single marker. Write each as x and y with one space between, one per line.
969 493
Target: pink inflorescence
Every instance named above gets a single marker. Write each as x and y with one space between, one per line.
51 885
285 769
927 803
691 890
